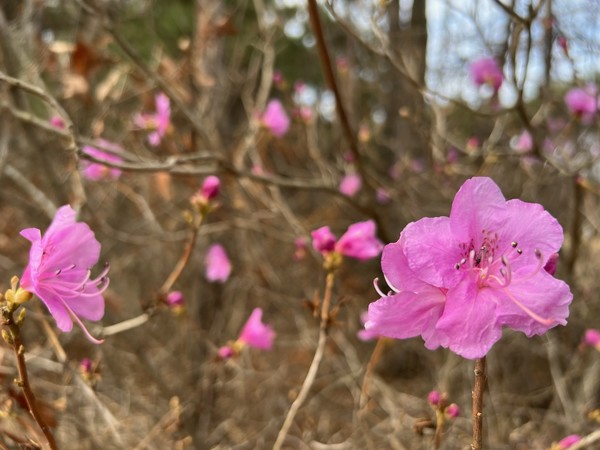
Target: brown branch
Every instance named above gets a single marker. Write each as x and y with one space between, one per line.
480 382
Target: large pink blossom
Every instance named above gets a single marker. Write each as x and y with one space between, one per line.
275 119
96 171
486 71
457 280
59 271
159 122
218 266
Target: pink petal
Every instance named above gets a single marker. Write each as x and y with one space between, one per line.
359 241
218 266
323 240
405 315
275 118
56 308
542 294
469 321
350 185
396 270
478 206
432 251
255 333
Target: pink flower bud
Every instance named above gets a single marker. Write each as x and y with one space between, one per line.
582 103
175 299
434 398
210 187
57 122
275 119
568 441
86 366
486 71
452 411
350 185
323 240
218 266
225 352
592 338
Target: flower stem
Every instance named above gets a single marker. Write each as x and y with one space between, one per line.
375 357
480 381
314 365
23 381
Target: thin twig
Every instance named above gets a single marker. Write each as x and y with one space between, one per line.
375 357
314 365
480 382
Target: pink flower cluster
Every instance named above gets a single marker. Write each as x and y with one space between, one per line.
59 271
458 280
159 122
359 241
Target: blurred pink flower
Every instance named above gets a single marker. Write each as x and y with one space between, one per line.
218 266
158 122
382 195
300 244
582 103
567 442
57 122
209 191
472 144
434 398
86 366
278 79
458 280
486 71
366 335
452 411
255 333
96 171
524 142
305 113
350 184
175 299
359 241
226 352
275 119
592 338
59 271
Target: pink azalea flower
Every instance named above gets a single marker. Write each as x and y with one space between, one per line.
218 266
350 184
486 71
58 271
255 333
359 241
582 103
159 122
275 119
568 442
457 280
95 171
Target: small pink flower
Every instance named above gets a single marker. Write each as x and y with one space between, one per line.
159 122
323 240
359 241
486 71
350 184
275 119
592 338
59 271
524 142
218 266
255 333
434 398
300 244
96 171
472 144
57 122
175 299
582 103
452 411
568 442
458 280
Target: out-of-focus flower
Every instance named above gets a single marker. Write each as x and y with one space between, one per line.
279 80
582 103
300 244
254 334
358 242
458 280
57 122
175 299
218 266
207 193
95 171
305 114
592 338
275 119
159 122
382 195
567 442
59 271
342 64
351 184
472 144
434 398
364 134
486 71
524 142
452 411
